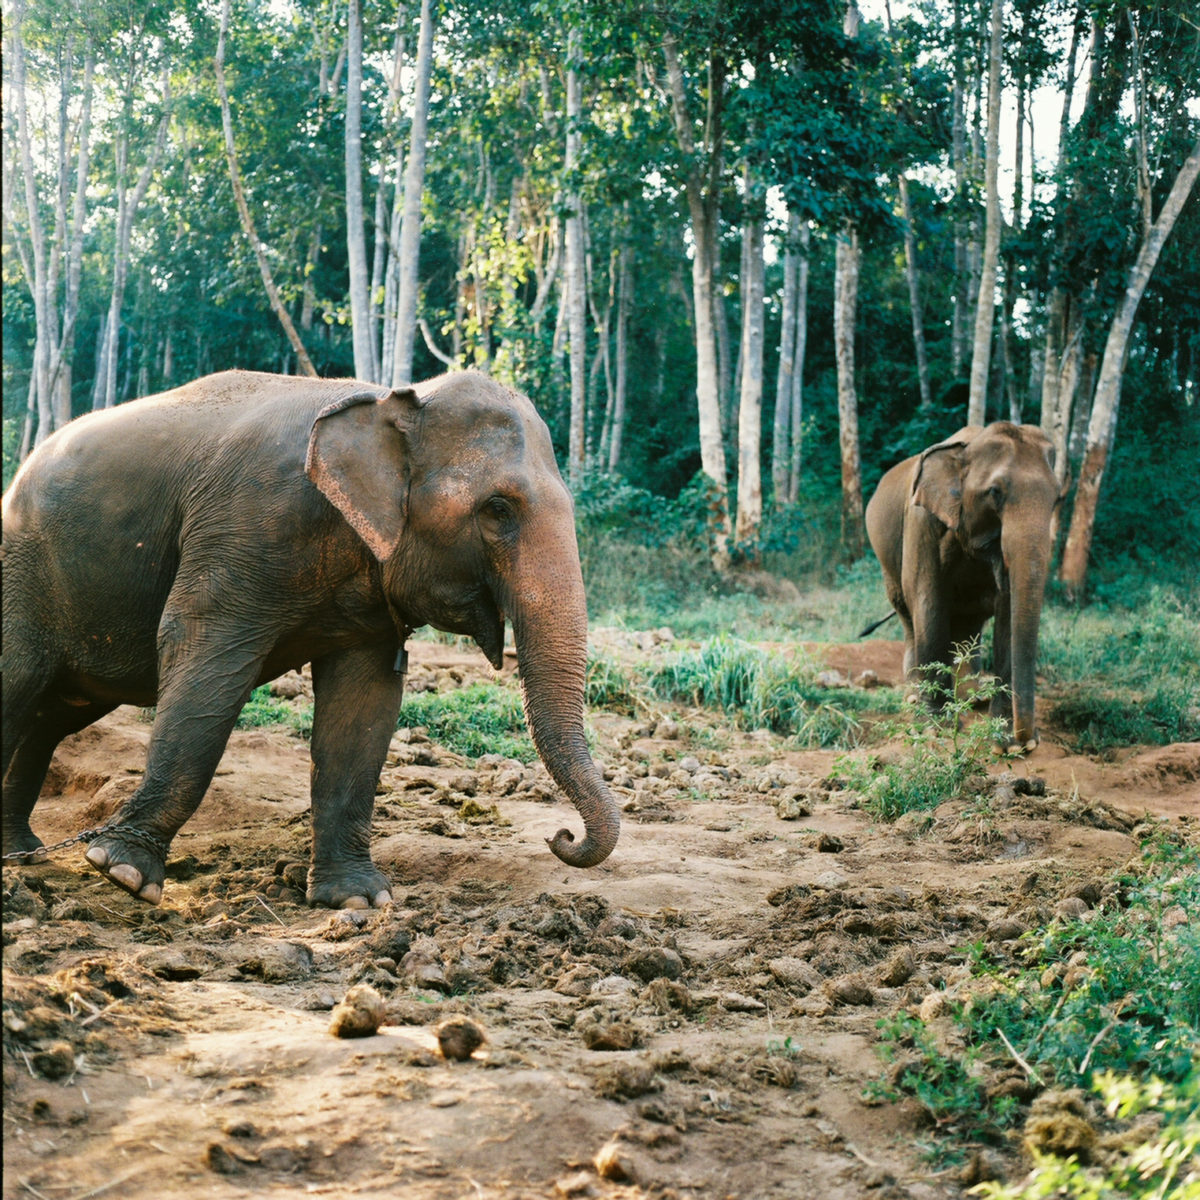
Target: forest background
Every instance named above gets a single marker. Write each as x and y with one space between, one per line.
743 255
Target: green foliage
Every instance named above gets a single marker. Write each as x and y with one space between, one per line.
759 689
947 1085
482 718
946 751
1160 1165
1112 1003
1136 1006
608 685
263 709
1125 673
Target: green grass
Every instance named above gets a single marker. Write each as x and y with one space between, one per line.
263 709
947 752
762 689
482 718
1124 676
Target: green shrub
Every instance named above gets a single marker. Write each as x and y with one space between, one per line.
1098 721
1160 1166
264 709
1111 1003
482 718
946 752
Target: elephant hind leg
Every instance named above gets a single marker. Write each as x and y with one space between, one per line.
29 761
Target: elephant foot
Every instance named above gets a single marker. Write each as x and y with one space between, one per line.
349 885
1016 749
25 843
132 866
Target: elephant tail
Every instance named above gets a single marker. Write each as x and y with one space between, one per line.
876 625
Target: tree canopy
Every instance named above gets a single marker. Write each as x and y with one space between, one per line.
129 269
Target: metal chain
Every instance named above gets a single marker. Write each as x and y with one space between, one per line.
90 835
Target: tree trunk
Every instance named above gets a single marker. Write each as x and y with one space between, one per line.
1106 404
410 228
703 197
574 280
844 319
624 308
797 419
365 366
235 179
40 397
749 501
958 325
913 273
780 441
986 309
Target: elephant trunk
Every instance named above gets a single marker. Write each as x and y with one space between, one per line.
1027 560
549 620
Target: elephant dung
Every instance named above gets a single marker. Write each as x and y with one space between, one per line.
459 1038
359 1014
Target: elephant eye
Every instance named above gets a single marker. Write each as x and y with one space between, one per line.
499 508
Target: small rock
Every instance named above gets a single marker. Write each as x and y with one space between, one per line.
359 1014
278 962
1005 929
459 1038
868 679
659 962
898 969
792 805
932 1006
667 729
571 1186
613 1162
1071 908
831 880
217 1158
57 1061
795 973
736 1002
832 679
851 989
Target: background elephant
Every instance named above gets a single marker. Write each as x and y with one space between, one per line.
963 532
182 549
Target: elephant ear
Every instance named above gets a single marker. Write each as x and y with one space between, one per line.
937 484
358 455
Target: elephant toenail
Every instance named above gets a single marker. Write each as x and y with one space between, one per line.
382 898
356 902
97 856
127 876
151 893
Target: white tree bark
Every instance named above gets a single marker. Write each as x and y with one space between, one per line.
1106 403
844 319
574 281
985 311
702 207
410 229
781 427
749 501
797 418
365 366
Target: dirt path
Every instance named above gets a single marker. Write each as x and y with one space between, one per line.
699 1012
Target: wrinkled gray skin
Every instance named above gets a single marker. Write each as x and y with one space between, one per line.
963 533
179 550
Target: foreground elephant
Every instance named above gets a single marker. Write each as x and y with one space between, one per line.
963 533
182 549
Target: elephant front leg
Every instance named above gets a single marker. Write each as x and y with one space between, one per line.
205 678
357 702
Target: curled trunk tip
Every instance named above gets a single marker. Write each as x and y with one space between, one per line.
594 849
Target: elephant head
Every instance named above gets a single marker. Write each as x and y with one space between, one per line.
454 487
996 490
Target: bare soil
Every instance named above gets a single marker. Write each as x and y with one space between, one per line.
694 1018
